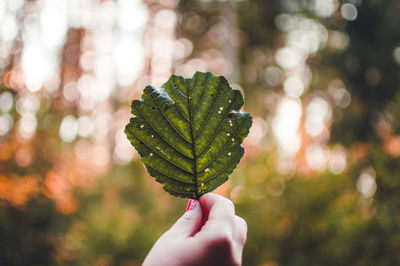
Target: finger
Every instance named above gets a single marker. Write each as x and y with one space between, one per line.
189 223
239 238
220 223
240 231
220 208
205 216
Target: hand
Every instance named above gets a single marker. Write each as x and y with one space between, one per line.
219 241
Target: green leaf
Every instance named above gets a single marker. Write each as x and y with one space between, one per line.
189 132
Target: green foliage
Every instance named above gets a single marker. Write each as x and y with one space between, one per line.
392 115
322 218
25 233
188 132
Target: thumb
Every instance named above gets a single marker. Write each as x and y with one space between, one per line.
190 222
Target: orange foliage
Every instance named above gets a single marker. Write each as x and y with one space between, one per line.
57 183
14 79
391 144
6 151
66 204
68 173
59 189
17 191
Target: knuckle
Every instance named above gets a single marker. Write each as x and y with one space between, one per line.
223 243
227 202
241 230
219 231
242 222
230 204
187 217
242 239
225 236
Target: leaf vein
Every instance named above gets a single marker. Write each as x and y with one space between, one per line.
202 93
180 111
160 154
209 114
168 142
169 122
225 146
173 178
223 169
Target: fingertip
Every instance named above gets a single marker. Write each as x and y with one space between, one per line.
208 201
190 221
203 198
193 209
191 204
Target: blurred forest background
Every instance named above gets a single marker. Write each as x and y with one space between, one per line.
320 180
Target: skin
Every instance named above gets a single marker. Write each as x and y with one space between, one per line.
219 241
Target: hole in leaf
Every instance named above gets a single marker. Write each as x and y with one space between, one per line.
153 108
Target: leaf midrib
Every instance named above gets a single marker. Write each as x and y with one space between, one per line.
193 144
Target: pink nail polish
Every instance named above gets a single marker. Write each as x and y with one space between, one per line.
191 205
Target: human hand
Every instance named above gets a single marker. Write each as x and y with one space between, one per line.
219 241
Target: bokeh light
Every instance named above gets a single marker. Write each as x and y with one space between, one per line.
286 124
396 55
6 124
68 128
348 11
320 167
6 101
366 183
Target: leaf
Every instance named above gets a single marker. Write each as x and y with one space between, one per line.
189 133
